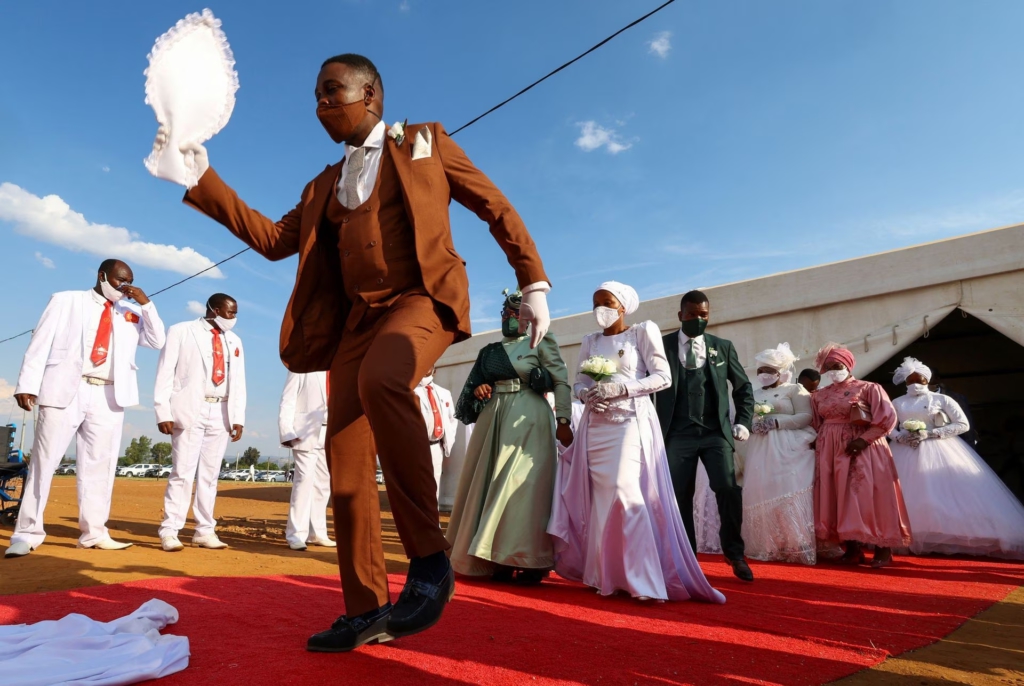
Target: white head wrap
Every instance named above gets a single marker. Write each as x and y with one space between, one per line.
626 296
911 366
780 358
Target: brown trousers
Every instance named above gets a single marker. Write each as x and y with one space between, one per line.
373 412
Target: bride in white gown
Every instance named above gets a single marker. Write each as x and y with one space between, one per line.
955 502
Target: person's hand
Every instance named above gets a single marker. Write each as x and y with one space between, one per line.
483 391
740 432
534 311
608 391
762 426
165 427
136 294
584 394
291 443
564 434
236 433
856 447
902 437
162 136
199 157
26 401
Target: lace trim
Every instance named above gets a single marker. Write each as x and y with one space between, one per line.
184 28
782 528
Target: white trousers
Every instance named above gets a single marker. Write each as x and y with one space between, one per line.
95 419
437 458
311 493
196 455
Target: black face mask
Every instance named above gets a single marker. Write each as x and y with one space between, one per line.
510 327
694 327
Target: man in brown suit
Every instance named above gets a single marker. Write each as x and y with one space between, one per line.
379 295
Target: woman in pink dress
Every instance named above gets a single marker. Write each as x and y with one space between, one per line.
857 496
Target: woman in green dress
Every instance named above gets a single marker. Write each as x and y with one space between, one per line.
499 522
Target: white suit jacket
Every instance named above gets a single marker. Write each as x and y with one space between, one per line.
184 367
303 409
52 368
447 409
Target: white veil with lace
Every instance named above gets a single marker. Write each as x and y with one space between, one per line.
190 84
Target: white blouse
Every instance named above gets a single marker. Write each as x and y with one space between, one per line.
925 408
791 405
640 355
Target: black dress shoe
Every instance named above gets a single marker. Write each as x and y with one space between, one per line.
349 633
420 605
742 570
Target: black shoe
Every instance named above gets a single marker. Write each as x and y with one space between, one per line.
530 577
420 605
348 634
504 575
742 570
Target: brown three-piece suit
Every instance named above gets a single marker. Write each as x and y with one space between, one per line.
380 293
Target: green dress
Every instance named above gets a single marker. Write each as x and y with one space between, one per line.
503 502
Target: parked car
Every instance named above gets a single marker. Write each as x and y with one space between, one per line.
276 475
66 469
135 469
158 472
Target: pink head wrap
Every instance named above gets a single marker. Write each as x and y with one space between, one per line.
833 352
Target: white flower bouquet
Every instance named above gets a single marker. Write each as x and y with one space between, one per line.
762 409
915 426
598 368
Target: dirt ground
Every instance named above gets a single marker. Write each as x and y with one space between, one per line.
988 649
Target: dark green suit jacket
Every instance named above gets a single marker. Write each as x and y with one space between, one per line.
725 367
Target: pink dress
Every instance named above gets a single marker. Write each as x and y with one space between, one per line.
860 499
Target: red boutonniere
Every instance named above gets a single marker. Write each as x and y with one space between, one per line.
131 317
236 352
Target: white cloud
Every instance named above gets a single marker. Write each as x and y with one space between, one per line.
105 168
594 136
7 402
984 213
404 6
45 261
661 44
196 307
50 219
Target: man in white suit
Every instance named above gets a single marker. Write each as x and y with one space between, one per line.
439 415
200 402
80 370
302 422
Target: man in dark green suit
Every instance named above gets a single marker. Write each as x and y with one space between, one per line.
694 416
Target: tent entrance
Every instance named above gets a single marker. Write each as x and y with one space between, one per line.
976 363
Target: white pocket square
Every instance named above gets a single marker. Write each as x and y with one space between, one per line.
421 144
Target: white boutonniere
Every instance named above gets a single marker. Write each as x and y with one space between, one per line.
712 352
397 131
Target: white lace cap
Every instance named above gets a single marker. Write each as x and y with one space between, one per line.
911 365
780 358
190 84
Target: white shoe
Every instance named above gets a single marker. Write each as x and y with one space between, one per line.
107 544
211 542
171 544
297 546
322 542
18 549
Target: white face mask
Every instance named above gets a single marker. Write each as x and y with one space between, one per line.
605 316
839 375
109 292
426 381
767 380
225 325
917 388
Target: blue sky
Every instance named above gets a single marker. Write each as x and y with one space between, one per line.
718 141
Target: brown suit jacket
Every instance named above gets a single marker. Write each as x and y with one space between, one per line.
315 317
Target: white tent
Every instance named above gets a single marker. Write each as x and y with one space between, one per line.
877 305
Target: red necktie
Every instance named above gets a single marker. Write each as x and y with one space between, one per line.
218 358
438 427
102 344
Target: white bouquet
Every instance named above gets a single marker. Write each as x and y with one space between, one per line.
762 409
598 368
916 426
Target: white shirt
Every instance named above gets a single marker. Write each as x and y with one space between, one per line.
700 349
104 371
374 145
212 391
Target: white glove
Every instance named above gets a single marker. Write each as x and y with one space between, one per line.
609 391
763 426
903 437
584 394
534 311
740 432
195 154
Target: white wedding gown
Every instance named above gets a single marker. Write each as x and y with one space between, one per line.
955 502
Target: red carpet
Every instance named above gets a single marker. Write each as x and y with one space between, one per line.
794 625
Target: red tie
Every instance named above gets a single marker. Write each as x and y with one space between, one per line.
438 427
218 358
102 344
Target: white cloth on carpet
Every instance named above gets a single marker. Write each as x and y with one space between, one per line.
955 502
79 650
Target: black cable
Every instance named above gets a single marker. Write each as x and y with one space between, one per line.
575 59
464 126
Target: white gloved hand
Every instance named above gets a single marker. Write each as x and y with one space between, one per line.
762 426
195 156
534 311
740 432
902 437
598 406
583 394
609 391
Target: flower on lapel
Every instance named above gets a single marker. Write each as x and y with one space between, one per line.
131 317
397 131
236 352
712 352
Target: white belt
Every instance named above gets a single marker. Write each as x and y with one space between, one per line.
216 399
93 381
